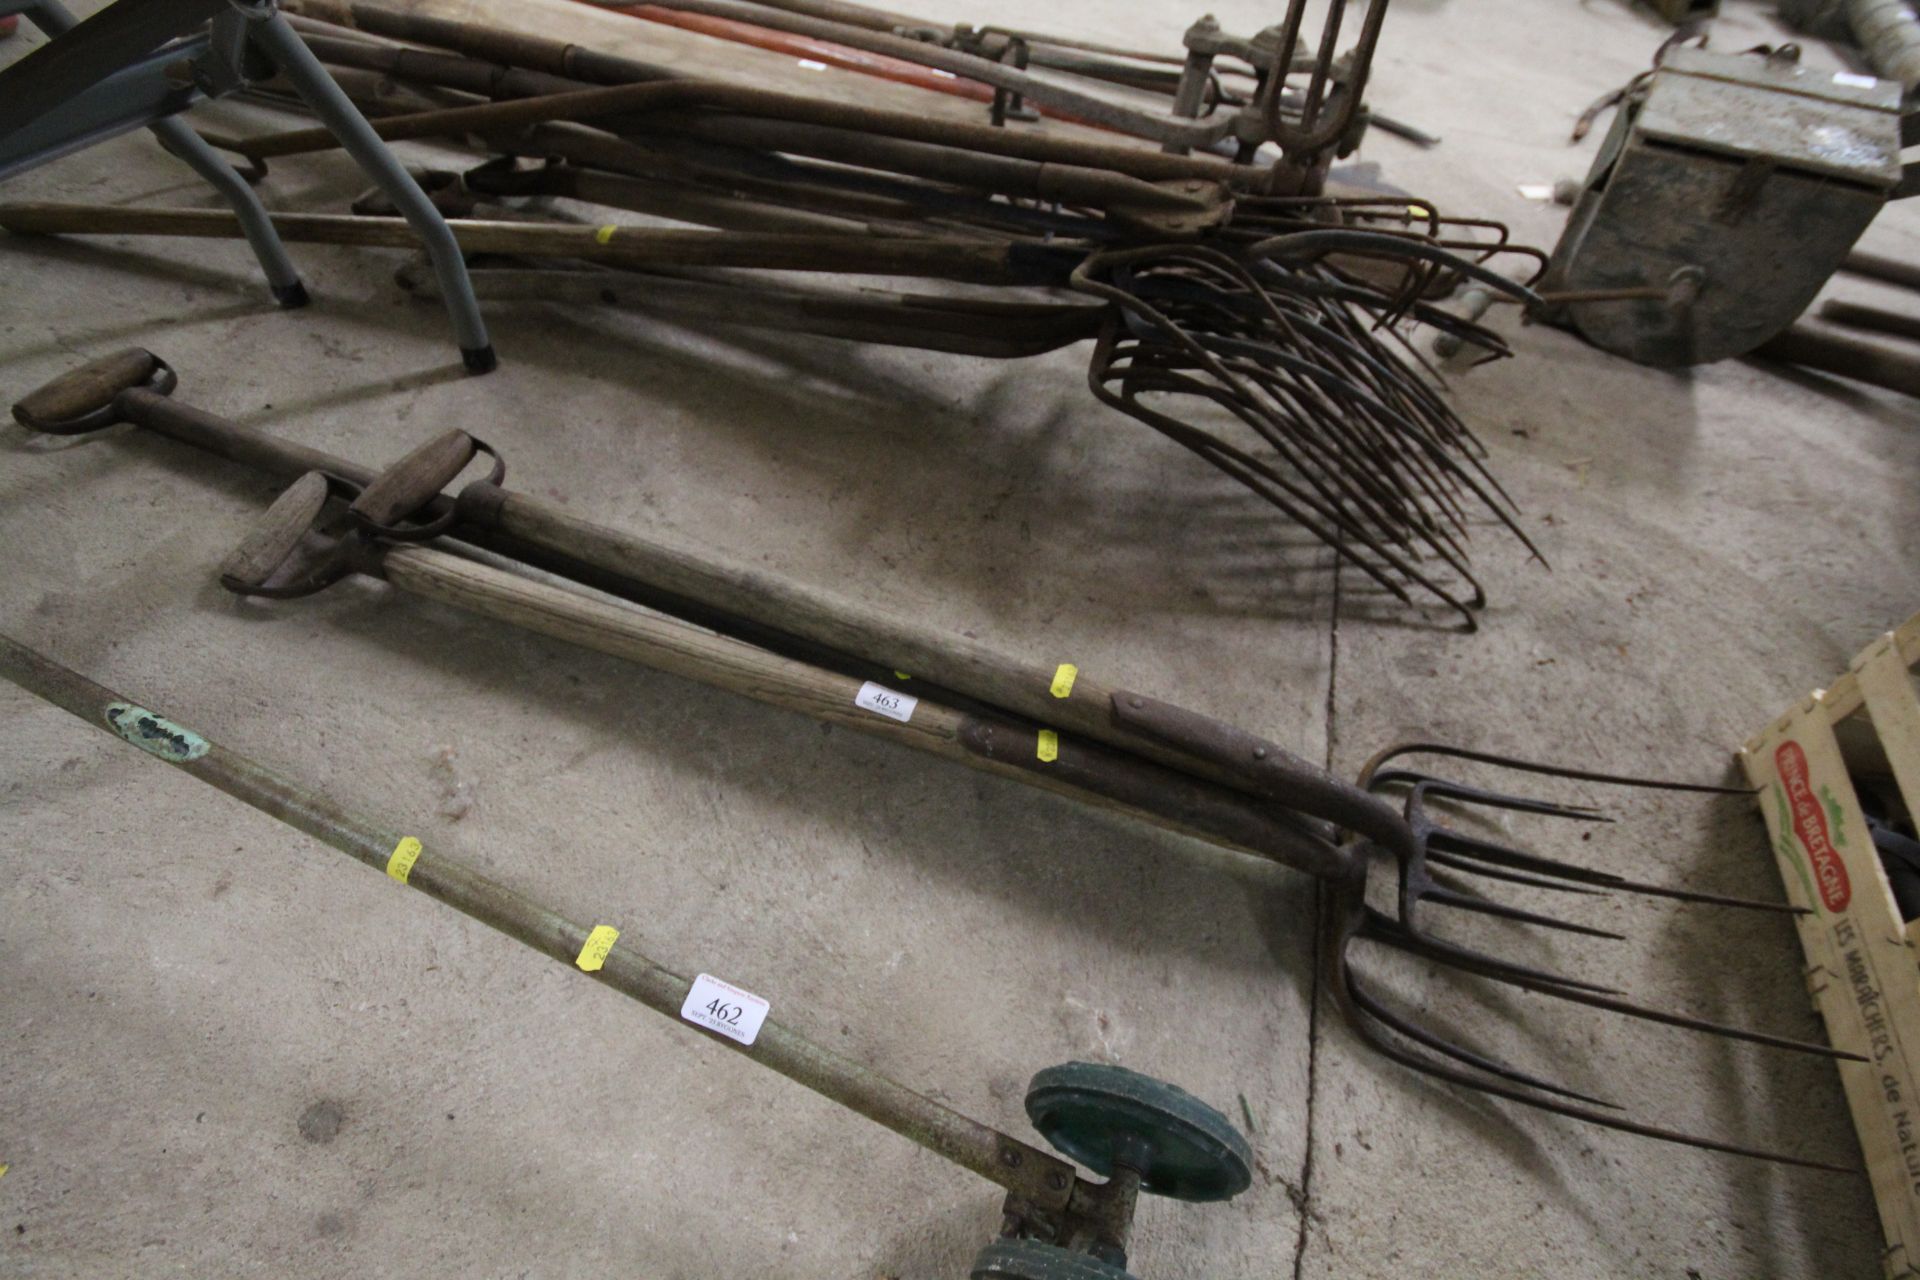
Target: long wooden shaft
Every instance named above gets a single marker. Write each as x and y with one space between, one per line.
1018 1166
1087 773
1074 702
853 254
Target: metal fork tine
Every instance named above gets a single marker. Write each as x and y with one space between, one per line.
1425 784
1367 1028
1465 849
1504 800
1492 1066
1467 867
1489 907
1548 984
1390 932
1424 846
1708 899
1550 770
1476 849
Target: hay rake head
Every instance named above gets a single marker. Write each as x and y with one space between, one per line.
1291 334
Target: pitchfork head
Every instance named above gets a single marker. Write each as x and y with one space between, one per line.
1437 866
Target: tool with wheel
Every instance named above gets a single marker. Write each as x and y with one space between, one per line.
1134 1131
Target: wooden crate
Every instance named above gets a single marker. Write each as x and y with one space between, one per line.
1862 967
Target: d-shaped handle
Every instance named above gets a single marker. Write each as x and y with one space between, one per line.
410 485
87 398
286 554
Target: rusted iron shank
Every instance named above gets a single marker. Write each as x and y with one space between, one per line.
1022 1169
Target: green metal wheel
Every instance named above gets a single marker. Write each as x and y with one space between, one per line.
1183 1148
1032 1260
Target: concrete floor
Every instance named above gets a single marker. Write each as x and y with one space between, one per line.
229 1051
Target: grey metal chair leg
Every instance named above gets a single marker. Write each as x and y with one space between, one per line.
180 139
271 34
283 277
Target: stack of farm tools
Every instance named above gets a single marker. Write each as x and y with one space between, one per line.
1222 90
1052 726
1213 292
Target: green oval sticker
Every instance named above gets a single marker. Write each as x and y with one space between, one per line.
155 735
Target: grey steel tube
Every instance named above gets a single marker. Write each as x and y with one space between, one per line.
280 43
180 139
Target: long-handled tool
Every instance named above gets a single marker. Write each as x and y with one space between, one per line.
1047 724
1238 310
1134 1131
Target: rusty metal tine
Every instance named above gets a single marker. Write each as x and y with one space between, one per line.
1236 462
1275 489
1164 379
1425 784
1345 984
1707 899
1397 750
1404 937
1199 349
1473 849
1467 866
1605 998
1491 907
1462 849
1492 1066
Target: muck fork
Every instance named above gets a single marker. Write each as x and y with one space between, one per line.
1050 726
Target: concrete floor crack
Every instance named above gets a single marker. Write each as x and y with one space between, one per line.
1302 1192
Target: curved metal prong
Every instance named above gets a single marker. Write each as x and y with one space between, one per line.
1467 867
1366 1025
1426 785
1465 849
1576 992
1493 1066
1477 849
1384 929
1490 907
1545 770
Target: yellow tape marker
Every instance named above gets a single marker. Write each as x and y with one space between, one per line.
599 942
1416 212
605 233
903 675
1049 749
3 1169
400 861
1063 680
